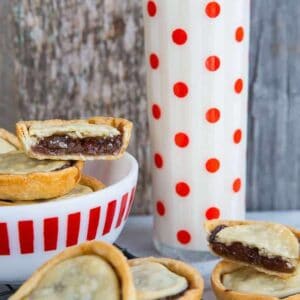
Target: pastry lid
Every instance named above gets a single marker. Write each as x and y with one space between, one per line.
195 281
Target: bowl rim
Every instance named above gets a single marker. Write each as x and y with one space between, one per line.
130 176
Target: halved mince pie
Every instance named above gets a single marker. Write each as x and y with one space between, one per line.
231 281
8 141
93 270
165 279
85 186
268 247
24 178
96 138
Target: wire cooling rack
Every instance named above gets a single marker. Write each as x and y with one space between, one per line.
7 290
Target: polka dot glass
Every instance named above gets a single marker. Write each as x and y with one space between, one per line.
197 78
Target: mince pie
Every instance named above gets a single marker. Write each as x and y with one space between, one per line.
165 279
23 178
93 270
8 141
231 281
268 247
96 138
85 186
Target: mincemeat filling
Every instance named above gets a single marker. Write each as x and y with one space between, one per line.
64 144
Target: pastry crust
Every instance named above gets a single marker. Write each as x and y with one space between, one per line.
88 181
222 293
211 225
10 138
123 125
92 182
106 251
195 281
43 185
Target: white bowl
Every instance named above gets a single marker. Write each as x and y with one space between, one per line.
31 234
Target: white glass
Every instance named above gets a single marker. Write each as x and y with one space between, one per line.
197 78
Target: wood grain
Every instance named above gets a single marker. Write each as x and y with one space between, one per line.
274 104
8 81
84 58
78 58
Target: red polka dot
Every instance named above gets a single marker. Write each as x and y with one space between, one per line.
183 237
213 115
154 61
182 189
158 160
212 165
237 136
212 213
236 186
179 36
151 8
156 112
160 208
213 9
212 63
180 89
239 34
181 139
238 85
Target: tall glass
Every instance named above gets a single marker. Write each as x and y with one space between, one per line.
197 79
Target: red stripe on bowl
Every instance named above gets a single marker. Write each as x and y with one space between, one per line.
73 229
26 236
110 213
50 233
93 223
122 209
4 242
130 202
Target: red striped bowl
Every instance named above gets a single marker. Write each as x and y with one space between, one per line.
31 234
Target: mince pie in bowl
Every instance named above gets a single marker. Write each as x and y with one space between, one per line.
231 281
93 270
85 186
8 141
96 138
270 248
23 178
165 279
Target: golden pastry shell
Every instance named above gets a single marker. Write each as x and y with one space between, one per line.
195 281
123 125
91 182
106 251
222 293
40 185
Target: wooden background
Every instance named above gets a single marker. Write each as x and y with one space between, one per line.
77 58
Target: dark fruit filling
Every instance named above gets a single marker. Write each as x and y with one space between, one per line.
64 144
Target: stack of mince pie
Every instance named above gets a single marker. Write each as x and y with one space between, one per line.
44 161
261 260
99 271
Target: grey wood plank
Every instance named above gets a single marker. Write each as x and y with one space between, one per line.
8 93
273 137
